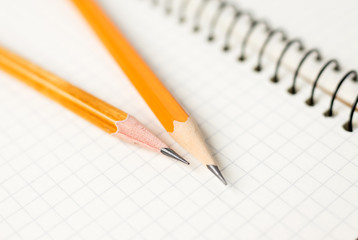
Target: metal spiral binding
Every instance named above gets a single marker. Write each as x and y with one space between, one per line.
253 26
310 101
293 89
270 34
301 48
238 15
348 126
198 15
214 21
329 112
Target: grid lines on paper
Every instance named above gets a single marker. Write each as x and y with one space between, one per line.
90 186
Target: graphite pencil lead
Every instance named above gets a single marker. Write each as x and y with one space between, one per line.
171 153
214 169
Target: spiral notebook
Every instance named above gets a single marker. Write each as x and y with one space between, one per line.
292 172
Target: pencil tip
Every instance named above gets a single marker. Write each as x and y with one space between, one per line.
171 153
214 169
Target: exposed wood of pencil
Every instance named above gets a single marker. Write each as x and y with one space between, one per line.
89 107
158 98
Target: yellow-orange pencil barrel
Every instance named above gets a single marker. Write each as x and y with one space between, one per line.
169 112
101 114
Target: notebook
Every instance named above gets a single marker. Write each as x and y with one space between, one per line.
292 172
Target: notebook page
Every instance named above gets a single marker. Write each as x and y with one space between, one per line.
291 171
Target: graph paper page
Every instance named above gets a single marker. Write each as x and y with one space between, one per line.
292 173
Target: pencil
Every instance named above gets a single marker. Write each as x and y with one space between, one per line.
172 116
96 111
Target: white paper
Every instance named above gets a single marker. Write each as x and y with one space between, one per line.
292 172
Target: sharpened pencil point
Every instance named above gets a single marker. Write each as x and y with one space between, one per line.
171 153
214 169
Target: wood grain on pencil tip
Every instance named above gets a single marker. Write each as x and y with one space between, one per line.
96 111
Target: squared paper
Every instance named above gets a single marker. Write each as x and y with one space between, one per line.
292 173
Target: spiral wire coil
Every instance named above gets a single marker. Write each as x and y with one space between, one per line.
270 34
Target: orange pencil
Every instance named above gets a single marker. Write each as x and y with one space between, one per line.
171 115
101 114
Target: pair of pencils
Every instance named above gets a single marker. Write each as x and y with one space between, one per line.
99 113
172 116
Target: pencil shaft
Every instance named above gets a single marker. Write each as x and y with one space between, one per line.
158 98
87 106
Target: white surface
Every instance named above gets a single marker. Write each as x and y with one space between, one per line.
292 172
